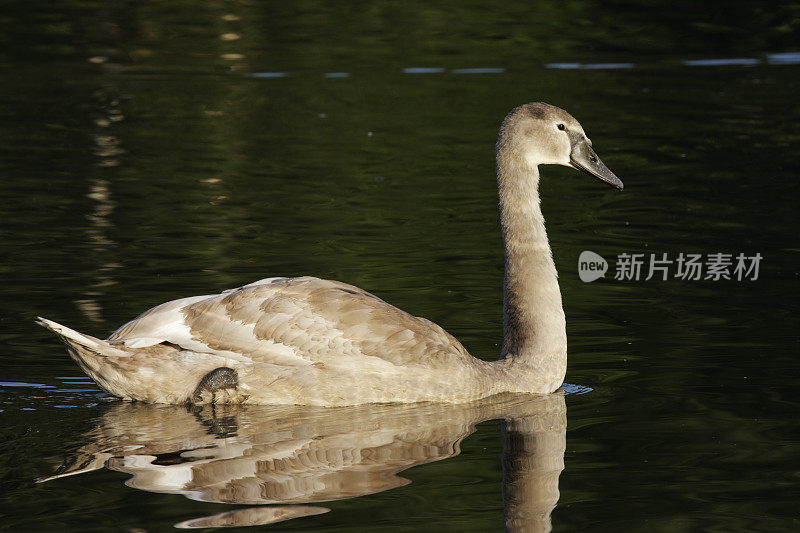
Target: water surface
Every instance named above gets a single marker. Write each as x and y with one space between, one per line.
153 151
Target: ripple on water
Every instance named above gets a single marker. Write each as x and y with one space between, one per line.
784 58
490 70
724 62
423 70
589 66
21 394
25 384
788 58
266 75
576 389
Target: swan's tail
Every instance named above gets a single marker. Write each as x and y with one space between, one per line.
95 357
70 336
152 373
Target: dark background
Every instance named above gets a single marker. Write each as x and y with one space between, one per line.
154 150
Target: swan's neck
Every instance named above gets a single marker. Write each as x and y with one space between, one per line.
535 338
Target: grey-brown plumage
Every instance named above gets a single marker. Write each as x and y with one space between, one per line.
318 342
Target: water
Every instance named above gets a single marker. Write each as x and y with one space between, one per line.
154 151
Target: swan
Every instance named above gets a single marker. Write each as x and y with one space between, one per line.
310 341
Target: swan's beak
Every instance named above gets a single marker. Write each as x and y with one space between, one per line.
583 158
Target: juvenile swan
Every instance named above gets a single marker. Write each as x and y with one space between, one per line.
317 342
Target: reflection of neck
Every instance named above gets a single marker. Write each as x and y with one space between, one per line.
533 458
534 325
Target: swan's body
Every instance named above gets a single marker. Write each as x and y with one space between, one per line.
317 342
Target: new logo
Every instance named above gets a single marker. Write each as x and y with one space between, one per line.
591 266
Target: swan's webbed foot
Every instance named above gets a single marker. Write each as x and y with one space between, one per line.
222 379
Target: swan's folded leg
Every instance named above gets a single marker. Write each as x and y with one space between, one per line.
219 379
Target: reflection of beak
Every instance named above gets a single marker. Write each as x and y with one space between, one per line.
583 158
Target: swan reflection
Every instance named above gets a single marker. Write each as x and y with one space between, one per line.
294 455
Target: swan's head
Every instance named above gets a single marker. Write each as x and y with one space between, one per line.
542 134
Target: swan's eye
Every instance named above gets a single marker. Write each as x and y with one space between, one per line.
561 127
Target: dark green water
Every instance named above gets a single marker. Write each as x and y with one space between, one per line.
155 150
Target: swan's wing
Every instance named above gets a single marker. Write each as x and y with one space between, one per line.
294 321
